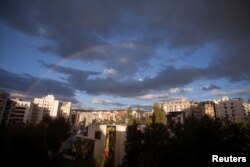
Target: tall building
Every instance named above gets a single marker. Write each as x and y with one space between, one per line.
65 108
231 109
208 108
47 104
22 112
3 101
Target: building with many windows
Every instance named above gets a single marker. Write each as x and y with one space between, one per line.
47 106
22 113
177 105
231 109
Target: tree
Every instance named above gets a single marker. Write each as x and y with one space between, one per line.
23 144
154 145
159 115
129 116
58 131
132 146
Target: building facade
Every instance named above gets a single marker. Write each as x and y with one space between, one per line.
22 112
109 142
47 105
178 105
231 108
65 108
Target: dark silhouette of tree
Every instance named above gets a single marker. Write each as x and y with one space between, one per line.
23 145
191 144
58 131
132 146
155 141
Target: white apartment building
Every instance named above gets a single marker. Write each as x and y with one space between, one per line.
3 101
178 106
65 108
22 112
47 103
231 109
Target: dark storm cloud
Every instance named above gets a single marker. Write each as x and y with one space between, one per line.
234 66
210 87
25 84
168 78
75 77
125 34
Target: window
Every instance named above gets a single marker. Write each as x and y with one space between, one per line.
98 135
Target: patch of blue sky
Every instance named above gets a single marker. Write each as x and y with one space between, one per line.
19 52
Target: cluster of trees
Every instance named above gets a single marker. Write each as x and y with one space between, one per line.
32 144
191 144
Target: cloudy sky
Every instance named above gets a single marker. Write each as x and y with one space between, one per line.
111 53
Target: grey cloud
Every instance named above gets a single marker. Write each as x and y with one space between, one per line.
90 30
234 66
81 25
233 93
210 87
107 102
168 78
75 77
34 86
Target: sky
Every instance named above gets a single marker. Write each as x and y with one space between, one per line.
106 54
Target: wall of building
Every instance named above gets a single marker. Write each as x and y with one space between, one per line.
120 131
230 109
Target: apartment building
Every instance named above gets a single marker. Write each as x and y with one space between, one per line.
177 105
22 113
231 108
208 108
47 105
65 108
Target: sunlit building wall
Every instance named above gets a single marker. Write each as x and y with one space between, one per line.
178 106
48 103
100 134
65 108
231 109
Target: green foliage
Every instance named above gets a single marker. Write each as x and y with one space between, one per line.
159 115
57 132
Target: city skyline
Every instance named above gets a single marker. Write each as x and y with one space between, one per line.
116 54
